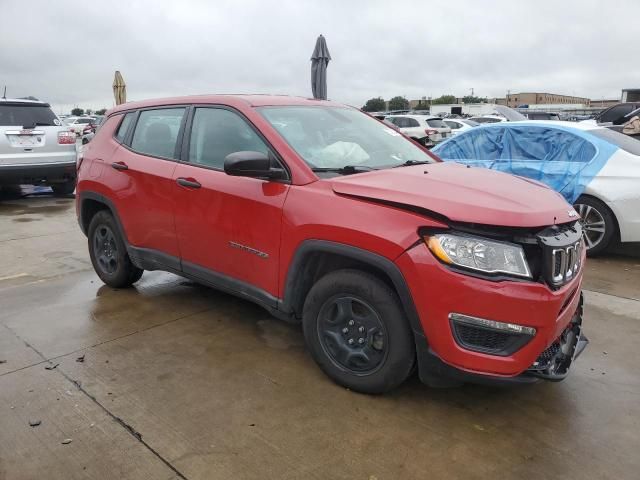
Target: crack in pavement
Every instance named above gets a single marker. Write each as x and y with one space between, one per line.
127 427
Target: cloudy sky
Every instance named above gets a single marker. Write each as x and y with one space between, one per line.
66 52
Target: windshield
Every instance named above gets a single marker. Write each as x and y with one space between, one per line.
335 137
24 115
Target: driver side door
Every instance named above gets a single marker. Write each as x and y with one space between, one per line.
228 227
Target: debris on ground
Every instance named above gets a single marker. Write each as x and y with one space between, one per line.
34 423
51 366
3 361
80 359
66 441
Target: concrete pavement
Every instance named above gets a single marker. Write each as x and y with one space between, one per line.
180 381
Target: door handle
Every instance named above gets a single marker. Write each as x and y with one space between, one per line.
188 182
119 166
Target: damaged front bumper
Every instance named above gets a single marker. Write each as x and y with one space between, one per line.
552 364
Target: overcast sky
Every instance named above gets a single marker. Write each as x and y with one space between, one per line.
66 52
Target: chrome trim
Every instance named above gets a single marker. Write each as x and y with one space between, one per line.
569 263
492 324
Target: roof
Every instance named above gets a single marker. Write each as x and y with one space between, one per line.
23 100
584 126
228 99
413 115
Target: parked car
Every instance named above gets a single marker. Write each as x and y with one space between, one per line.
616 114
488 119
594 168
295 204
425 129
537 115
459 125
78 124
35 149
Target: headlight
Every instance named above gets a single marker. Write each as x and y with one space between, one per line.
479 254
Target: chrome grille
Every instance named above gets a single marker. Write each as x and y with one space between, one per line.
565 263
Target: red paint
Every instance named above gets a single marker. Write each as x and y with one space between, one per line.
364 210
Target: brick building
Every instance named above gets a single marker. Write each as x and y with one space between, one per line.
543 98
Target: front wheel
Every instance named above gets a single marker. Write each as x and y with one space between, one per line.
356 331
598 224
108 252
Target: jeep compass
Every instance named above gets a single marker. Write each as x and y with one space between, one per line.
391 260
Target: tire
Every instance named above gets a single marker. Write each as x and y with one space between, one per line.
338 309
596 216
109 254
66 188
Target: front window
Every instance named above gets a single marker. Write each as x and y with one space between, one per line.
337 137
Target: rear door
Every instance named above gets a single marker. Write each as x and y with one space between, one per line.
141 178
228 227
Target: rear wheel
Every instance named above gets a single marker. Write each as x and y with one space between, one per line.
66 188
109 254
598 223
357 333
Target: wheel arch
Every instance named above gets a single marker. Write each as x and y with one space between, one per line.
315 258
90 204
617 235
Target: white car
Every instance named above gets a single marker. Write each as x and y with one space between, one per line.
595 169
489 119
78 124
427 130
459 125
35 148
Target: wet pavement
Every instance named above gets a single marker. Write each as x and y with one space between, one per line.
173 380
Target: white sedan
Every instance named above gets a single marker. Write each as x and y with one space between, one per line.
459 125
595 169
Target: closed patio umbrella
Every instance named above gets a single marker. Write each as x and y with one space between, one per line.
119 88
319 61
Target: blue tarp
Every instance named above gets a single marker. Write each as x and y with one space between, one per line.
564 158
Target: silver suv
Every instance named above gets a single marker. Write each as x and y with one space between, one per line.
35 148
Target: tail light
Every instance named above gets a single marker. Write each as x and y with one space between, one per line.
430 131
66 138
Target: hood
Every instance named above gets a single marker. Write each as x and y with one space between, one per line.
462 194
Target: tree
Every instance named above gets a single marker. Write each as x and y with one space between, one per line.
76 112
472 99
422 105
444 100
398 103
374 105
102 111
88 111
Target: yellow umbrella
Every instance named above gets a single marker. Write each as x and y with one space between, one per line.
119 88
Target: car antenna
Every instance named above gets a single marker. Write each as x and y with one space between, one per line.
5 93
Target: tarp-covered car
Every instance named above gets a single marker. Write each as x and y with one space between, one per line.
595 169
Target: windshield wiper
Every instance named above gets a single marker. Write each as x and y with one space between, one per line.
346 170
408 163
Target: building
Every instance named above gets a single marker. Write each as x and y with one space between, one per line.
543 98
630 95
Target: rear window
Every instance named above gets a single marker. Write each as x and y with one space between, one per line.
436 123
27 115
156 132
123 128
625 142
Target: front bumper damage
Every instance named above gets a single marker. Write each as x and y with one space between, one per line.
552 364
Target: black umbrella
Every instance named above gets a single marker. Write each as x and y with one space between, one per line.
319 61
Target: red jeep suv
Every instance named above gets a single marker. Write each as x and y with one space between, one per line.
323 215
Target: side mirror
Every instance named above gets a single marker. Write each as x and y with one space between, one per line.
251 164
